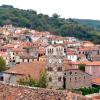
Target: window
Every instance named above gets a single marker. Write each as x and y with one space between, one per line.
59 69
75 79
48 50
70 79
59 79
84 77
75 72
64 73
50 69
1 78
70 73
50 79
61 49
13 60
57 49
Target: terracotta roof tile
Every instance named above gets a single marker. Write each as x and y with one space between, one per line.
33 69
96 81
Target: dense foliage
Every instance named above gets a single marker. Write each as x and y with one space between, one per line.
2 64
29 81
82 67
54 24
86 91
91 23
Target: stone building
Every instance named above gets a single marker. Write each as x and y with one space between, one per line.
55 56
76 78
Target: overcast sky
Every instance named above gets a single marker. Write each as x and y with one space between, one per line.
83 9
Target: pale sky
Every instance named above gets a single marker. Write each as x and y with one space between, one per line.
83 9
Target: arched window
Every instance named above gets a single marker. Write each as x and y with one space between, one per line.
59 49
50 50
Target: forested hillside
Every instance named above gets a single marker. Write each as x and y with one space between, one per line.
91 23
54 24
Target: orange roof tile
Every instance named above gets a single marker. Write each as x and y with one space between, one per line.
87 63
96 81
25 69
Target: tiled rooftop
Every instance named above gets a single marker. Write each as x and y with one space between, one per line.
11 92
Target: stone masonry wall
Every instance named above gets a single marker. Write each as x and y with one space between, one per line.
11 92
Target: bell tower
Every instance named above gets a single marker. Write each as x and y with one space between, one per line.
55 66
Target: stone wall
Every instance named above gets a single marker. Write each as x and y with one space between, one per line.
76 79
11 92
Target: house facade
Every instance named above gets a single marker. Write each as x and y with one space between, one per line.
93 68
76 79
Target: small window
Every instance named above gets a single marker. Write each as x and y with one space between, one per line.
64 50
50 69
13 60
59 69
57 49
70 73
64 73
75 78
70 79
61 49
75 72
59 79
84 77
50 79
1 78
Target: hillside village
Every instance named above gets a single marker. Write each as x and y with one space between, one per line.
29 52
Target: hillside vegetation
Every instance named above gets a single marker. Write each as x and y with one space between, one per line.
54 24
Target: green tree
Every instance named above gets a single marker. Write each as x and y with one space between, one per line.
29 81
2 64
82 67
43 80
